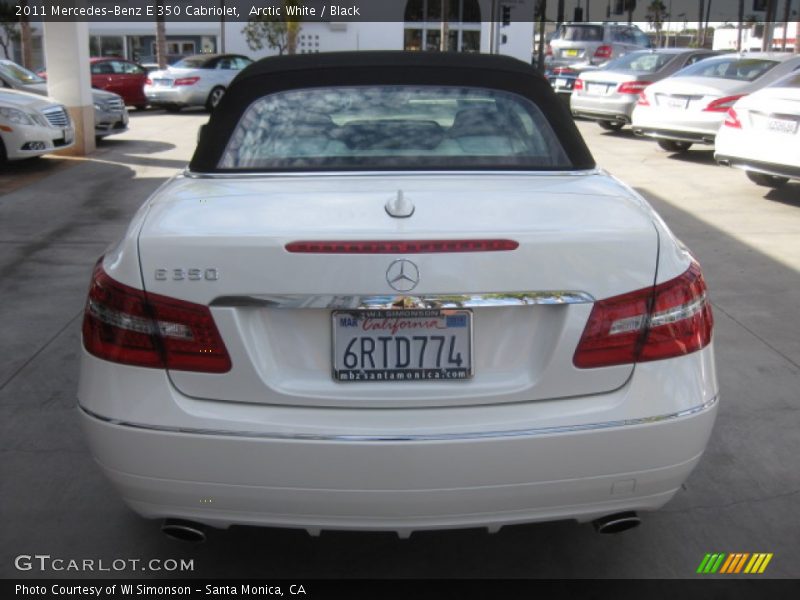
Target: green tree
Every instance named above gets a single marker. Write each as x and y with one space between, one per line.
656 15
274 32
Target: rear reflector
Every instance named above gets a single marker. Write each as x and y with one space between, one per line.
671 319
128 326
400 246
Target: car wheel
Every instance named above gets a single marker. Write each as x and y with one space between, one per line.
765 180
611 125
214 97
172 108
673 146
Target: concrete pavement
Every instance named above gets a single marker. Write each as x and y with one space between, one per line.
744 496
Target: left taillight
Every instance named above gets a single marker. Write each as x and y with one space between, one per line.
732 120
671 319
632 87
723 104
125 325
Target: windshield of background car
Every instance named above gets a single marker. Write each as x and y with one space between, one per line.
391 127
641 62
20 74
734 67
579 33
191 63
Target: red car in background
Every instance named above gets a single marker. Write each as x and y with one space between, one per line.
120 76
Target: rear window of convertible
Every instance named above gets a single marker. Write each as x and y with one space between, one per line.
390 127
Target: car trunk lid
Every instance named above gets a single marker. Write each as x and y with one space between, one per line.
222 242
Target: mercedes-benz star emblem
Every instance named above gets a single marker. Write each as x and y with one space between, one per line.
402 275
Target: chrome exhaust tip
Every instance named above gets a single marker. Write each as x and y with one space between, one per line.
184 531
617 523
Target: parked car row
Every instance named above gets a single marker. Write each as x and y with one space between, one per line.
746 105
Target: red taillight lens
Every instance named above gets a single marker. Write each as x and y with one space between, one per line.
722 104
632 87
603 52
578 85
732 120
148 81
642 101
126 325
672 319
187 81
401 246
548 50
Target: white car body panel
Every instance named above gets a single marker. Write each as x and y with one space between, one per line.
771 151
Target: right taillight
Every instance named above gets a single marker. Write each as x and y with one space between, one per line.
671 319
148 81
548 50
578 85
603 52
642 101
128 326
732 119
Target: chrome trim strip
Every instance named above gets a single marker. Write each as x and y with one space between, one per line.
411 437
189 174
389 301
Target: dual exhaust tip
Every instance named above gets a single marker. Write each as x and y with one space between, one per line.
195 533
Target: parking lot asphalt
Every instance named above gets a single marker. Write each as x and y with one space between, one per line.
743 497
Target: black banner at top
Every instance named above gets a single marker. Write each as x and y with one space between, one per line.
505 11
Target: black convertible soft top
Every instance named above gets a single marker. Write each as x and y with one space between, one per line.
281 73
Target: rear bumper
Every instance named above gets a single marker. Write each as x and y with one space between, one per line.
184 95
223 463
694 137
768 168
400 485
697 127
600 109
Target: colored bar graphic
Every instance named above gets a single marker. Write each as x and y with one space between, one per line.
720 562
703 563
765 563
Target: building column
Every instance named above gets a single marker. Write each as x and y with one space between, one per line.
66 52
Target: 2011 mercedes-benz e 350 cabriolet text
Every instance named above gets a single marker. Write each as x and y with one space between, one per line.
393 292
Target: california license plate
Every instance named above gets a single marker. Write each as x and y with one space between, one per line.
402 345
782 125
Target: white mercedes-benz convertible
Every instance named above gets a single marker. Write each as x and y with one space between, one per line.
392 291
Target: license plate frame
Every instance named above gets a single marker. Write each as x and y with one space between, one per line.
676 103
426 361
783 126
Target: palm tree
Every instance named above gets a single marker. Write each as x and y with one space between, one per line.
656 14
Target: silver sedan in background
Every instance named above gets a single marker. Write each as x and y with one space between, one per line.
609 95
199 80
690 106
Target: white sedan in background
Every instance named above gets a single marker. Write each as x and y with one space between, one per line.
761 134
393 291
199 80
32 125
689 107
